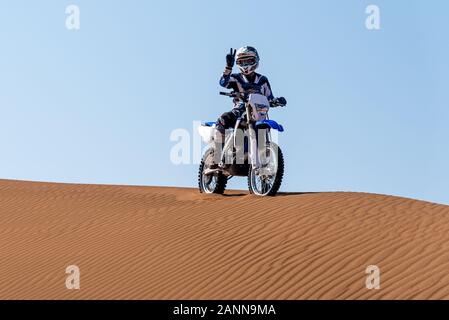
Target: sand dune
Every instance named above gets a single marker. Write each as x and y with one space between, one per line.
173 243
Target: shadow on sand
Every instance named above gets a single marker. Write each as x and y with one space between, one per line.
235 194
280 194
283 194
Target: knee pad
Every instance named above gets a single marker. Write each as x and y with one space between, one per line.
227 119
220 126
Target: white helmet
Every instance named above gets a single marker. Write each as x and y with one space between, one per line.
247 60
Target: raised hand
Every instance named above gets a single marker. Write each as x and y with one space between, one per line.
230 58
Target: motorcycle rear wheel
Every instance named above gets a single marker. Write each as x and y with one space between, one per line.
211 183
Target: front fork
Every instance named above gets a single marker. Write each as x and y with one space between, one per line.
256 144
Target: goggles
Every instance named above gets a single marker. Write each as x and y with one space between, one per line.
244 62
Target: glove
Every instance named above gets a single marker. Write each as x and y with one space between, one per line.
280 101
230 59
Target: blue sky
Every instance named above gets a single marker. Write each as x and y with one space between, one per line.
368 110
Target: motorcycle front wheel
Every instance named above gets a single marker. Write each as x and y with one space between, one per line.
267 179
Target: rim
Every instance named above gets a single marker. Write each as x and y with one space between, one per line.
208 182
263 178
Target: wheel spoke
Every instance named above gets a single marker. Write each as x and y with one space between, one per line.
263 182
209 181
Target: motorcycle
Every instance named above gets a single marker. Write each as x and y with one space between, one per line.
248 149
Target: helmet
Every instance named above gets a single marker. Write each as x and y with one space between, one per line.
247 60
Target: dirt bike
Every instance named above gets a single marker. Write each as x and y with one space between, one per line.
248 149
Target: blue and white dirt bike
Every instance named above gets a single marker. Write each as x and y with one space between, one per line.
248 149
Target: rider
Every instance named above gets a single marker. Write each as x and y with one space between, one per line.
247 60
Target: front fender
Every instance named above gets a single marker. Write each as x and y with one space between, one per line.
265 124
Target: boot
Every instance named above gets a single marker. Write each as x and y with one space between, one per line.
218 146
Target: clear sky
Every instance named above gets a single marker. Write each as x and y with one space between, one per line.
368 109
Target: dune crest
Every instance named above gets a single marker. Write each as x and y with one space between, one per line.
172 243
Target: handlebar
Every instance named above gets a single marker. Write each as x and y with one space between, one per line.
241 95
229 94
236 94
274 104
